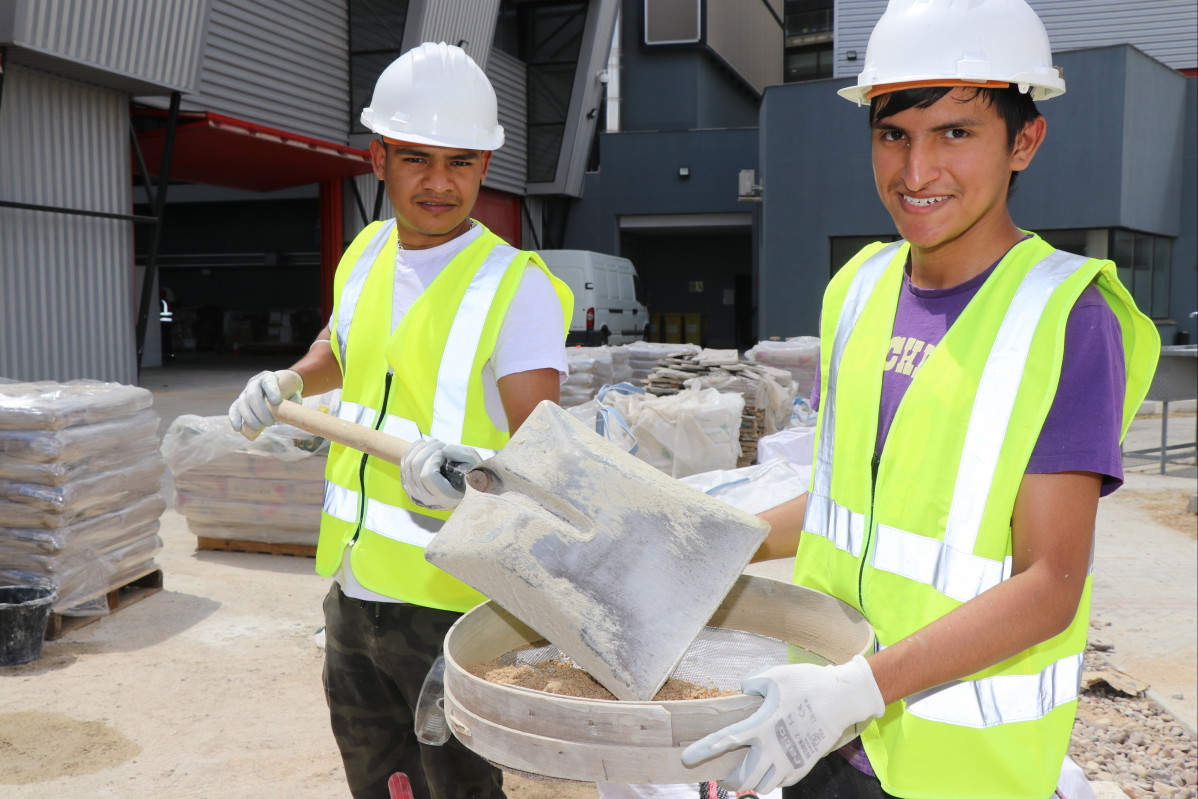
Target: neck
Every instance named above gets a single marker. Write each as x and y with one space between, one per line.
953 263
413 240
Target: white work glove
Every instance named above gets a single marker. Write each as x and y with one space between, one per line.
808 711
250 413
420 471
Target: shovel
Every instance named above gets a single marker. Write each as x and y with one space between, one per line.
617 564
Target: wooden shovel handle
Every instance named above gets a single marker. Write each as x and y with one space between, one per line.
355 436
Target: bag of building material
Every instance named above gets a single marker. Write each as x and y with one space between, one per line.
695 430
644 355
269 490
589 369
799 356
80 488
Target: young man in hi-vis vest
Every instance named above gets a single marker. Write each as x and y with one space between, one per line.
443 335
974 387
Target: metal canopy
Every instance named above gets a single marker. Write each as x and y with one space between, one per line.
217 150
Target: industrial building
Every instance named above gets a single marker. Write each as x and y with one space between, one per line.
215 145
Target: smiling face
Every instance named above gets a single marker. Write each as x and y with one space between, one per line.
943 171
432 189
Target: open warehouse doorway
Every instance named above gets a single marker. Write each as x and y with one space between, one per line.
696 271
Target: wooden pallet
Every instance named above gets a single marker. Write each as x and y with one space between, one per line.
120 597
261 547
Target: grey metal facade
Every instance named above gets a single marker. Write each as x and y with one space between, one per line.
509 164
281 64
130 45
66 282
1163 29
747 36
470 24
1118 145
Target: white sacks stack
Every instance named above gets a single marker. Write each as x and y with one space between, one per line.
644 355
80 489
590 368
800 356
268 491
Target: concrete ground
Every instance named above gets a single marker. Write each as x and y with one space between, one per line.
211 687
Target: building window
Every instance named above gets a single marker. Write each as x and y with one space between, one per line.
375 40
809 34
843 248
1143 262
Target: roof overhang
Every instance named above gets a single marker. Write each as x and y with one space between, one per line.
216 150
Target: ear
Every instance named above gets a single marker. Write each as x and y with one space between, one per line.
1027 143
378 158
486 162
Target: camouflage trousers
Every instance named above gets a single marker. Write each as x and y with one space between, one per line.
376 657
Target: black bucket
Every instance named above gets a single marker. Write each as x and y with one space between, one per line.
24 611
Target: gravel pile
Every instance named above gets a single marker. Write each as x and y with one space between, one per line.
1131 742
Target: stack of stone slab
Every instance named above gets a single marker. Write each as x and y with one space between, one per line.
259 496
80 489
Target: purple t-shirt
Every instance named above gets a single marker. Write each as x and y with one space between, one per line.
1081 431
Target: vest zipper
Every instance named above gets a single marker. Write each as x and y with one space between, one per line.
378 425
869 526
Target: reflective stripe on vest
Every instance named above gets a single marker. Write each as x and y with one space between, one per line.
354 283
453 375
1003 699
844 528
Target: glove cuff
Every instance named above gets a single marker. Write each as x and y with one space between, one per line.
867 695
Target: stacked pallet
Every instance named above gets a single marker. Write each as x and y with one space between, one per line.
259 496
768 392
799 356
644 356
80 489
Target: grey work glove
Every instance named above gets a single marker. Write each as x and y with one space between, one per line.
249 413
420 472
808 711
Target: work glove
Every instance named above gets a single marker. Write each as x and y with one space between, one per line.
249 413
808 711
420 472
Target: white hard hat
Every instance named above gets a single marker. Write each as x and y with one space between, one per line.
958 43
435 94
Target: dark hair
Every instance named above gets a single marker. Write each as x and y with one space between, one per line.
1015 107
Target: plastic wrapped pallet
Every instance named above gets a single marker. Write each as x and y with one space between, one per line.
799 356
644 355
590 368
80 489
269 490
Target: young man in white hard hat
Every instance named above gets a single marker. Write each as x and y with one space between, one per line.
974 386
442 335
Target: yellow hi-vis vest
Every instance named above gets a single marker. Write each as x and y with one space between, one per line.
422 380
932 530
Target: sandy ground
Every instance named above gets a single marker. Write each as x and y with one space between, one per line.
211 687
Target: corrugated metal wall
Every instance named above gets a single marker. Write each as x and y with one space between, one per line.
280 63
469 24
1164 29
509 164
66 282
158 41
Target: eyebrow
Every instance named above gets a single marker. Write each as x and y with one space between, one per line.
465 155
966 122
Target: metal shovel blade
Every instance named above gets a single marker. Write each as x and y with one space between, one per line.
612 561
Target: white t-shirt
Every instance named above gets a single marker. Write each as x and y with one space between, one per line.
532 337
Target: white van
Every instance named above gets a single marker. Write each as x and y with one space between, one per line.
607 297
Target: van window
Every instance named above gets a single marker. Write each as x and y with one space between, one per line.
627 292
